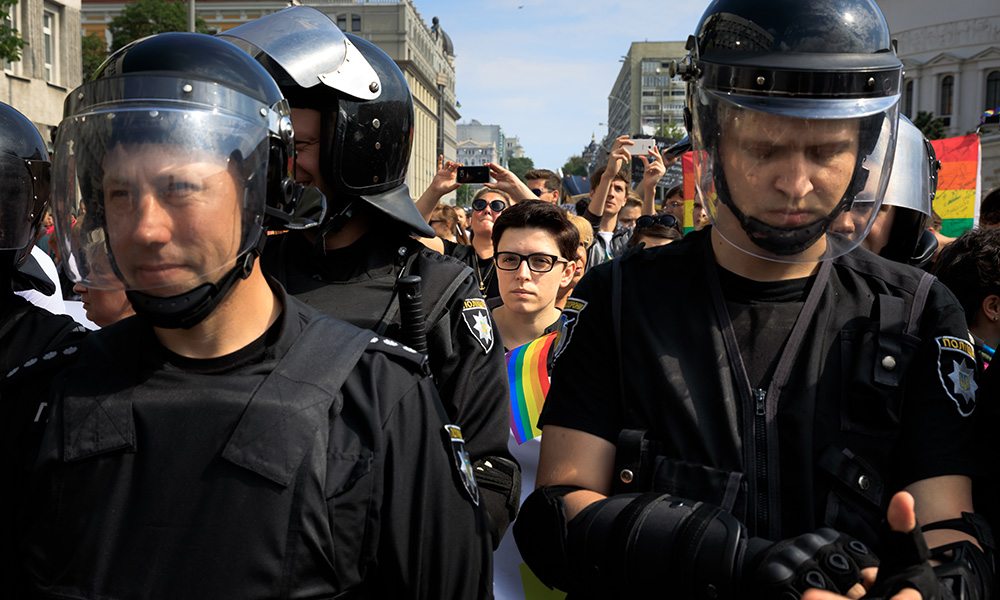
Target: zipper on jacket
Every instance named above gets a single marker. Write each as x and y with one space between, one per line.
760 459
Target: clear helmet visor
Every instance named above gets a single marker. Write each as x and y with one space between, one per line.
157 199
782 182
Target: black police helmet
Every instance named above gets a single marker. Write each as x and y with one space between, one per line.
182 94
813 61
24 185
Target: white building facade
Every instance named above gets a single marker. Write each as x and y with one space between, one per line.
951 57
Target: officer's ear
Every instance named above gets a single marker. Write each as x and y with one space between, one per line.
990 308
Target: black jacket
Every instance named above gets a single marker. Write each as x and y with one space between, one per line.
848 429
251 476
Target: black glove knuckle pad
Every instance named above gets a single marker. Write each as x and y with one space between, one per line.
824 559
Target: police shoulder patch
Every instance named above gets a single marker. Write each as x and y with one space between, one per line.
463 464
571 314
956 369
477 319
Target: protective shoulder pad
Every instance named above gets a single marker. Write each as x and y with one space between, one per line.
43 365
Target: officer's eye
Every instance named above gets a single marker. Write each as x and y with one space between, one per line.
826 152
179 188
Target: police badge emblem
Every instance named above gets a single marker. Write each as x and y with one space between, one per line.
463 465
957 368
570 316
477 319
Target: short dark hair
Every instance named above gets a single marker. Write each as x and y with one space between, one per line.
624 174
677 189
989 210
551 179
968 266
537 214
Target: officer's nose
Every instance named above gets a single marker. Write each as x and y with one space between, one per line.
153 222
795 176
844 225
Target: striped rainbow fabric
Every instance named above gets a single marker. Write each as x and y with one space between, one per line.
957 199
528 376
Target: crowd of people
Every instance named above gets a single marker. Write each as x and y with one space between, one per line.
307 383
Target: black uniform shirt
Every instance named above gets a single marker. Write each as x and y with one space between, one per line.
160 477
356 284
839 442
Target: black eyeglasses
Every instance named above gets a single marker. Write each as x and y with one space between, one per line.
495 205
538 191
537 262
667 220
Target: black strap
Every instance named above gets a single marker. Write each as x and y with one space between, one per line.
392 309
781 373
616 325
919 301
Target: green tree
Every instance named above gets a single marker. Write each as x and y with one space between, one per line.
673 131
931 126
94 52
10 41
148 17
575 165
520 166
463 196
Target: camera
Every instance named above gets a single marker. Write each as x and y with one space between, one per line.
473 175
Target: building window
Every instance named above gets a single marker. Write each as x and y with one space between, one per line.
908 99
342 22
356 23
50 44
944 107
993 90
12 21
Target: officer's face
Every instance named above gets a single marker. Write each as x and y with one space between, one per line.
787 172
307 124
173 217
523 290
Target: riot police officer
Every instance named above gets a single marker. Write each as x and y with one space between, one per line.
25 330
354 135
747 443
900 232
216 445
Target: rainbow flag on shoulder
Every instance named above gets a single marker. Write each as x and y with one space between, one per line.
959 182
528 376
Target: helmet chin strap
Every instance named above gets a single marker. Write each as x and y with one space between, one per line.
186 310
786 241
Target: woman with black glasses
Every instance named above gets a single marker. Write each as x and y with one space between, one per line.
487 205
652 231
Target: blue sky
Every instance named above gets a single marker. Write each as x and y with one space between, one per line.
542 69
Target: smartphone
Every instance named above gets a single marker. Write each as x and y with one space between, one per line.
473 175
642 147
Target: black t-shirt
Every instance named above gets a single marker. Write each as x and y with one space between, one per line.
763 314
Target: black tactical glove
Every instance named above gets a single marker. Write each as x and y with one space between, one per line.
905 565
824 559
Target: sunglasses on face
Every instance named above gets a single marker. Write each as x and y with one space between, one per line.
537 262
666 220
495 205
539 191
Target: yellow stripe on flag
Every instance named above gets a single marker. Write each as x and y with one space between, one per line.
955 204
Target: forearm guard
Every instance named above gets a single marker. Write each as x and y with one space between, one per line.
632 546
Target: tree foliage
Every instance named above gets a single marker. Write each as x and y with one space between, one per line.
94 52
520 166
464 195
148 17
10 40
575 165
673 131
932 127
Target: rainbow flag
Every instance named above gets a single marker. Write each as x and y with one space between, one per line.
528 375
957 199
687 168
